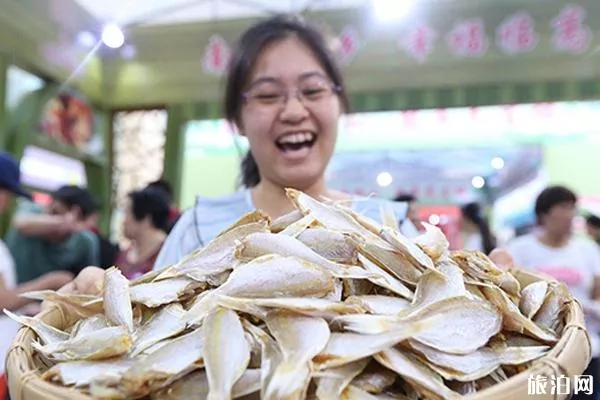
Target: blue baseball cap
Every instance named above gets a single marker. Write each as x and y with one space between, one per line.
10 175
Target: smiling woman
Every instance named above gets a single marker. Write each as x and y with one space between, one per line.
285 94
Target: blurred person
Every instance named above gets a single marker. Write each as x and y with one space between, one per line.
175 212
412 213
285 93
475 229
554 250
592 225
10 292
145 223
56 238
108 251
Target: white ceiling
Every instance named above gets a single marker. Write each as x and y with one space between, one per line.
147 12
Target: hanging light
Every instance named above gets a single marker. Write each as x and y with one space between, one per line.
113 36
390 10
384 179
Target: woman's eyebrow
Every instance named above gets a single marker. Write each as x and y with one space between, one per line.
302 77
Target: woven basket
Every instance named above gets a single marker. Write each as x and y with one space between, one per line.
570 356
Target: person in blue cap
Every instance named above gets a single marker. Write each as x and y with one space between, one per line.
10 186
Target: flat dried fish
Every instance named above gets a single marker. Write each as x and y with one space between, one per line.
437 286
330 244
286 220
117 303
375 379
388 260
164 324
88 325
408 248
80 304
479 266
97 345
226 352
335 380
261 244
532 298
165 365
156 294
300 338
83 373
461 325
346 347
513 320
419 375
299 226
480 363
195 386
381 278
433 242
380 305
48 334
549 315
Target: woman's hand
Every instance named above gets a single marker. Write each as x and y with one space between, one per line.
88 281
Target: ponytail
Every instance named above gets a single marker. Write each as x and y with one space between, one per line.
250 172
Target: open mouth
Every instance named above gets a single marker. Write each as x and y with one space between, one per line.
296 141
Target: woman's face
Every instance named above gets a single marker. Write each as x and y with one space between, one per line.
290 115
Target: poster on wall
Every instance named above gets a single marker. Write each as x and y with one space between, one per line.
68 119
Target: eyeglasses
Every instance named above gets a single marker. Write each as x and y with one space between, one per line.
274 96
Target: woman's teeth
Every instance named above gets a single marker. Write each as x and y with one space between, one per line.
296 141
296 138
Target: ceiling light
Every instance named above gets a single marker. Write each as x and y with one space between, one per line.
478 182
384 179
390 10
497 163
112 36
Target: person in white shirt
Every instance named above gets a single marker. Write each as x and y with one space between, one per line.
9 290
554 250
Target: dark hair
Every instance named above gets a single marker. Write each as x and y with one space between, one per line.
472 212
153 203
163 185
550 197
74 196
406 198
593 221
248 49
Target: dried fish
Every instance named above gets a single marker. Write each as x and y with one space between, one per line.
117 303
300 338
195 386
323 304
261 244
286 220
532 298
164 324
381 305
226 352
382 278
335 380
433 242
83 373
48 334
98 345
299 226
480 363
330 244
423 379
156 294
165 365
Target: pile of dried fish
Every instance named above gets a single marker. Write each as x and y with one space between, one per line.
321 303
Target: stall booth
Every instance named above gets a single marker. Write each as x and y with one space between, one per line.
59 138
